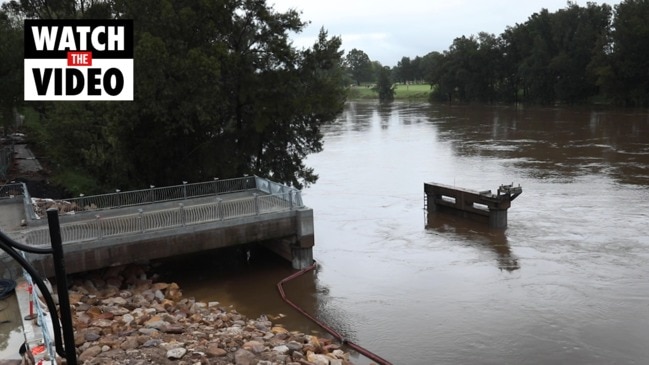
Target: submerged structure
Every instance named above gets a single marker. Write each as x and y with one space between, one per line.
482 206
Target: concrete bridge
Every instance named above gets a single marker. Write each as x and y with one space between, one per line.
123 227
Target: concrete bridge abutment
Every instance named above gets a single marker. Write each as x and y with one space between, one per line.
291 229
302 252
297 249
142 225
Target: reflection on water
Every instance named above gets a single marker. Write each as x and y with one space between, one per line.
560 285
249 285
476 234
553 143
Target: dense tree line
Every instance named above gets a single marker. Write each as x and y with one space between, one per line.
11 80
574 55
219 92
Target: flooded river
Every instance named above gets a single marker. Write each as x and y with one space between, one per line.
566 283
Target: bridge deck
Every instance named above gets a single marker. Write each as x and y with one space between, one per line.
159 216
92 214
260 210
12 213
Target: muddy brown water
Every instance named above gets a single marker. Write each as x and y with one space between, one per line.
566 283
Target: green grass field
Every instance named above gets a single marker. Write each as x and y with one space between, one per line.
402 92
418 91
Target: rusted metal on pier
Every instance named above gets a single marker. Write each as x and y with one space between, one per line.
482 206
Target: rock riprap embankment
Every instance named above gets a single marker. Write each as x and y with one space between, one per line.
122 316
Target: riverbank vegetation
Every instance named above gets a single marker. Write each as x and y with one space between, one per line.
401 91
220 91
576 55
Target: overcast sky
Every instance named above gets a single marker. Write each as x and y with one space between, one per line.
388 30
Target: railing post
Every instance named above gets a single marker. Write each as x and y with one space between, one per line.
219 208
290 199
183 219
216 186
62 285
151 187
100 233
27 202
119 201
256 203
140 222
81 200
185 190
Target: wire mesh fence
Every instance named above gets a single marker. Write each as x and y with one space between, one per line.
8 191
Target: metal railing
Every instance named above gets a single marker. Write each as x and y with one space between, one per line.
120 199
273 188
183 215
11 190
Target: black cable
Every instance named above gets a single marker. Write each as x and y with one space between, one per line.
7 270
6 287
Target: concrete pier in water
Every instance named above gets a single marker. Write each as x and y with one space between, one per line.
481 206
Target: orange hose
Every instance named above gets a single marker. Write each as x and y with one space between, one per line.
333 332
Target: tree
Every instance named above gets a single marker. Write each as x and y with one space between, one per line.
11 62
515 47
384 85
458 76
488 77
404 71
219 92
578 33
359 65
627 80
536 75
430 67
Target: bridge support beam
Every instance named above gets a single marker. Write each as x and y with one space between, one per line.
498 218
304 228
302 252
302 257
298 248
